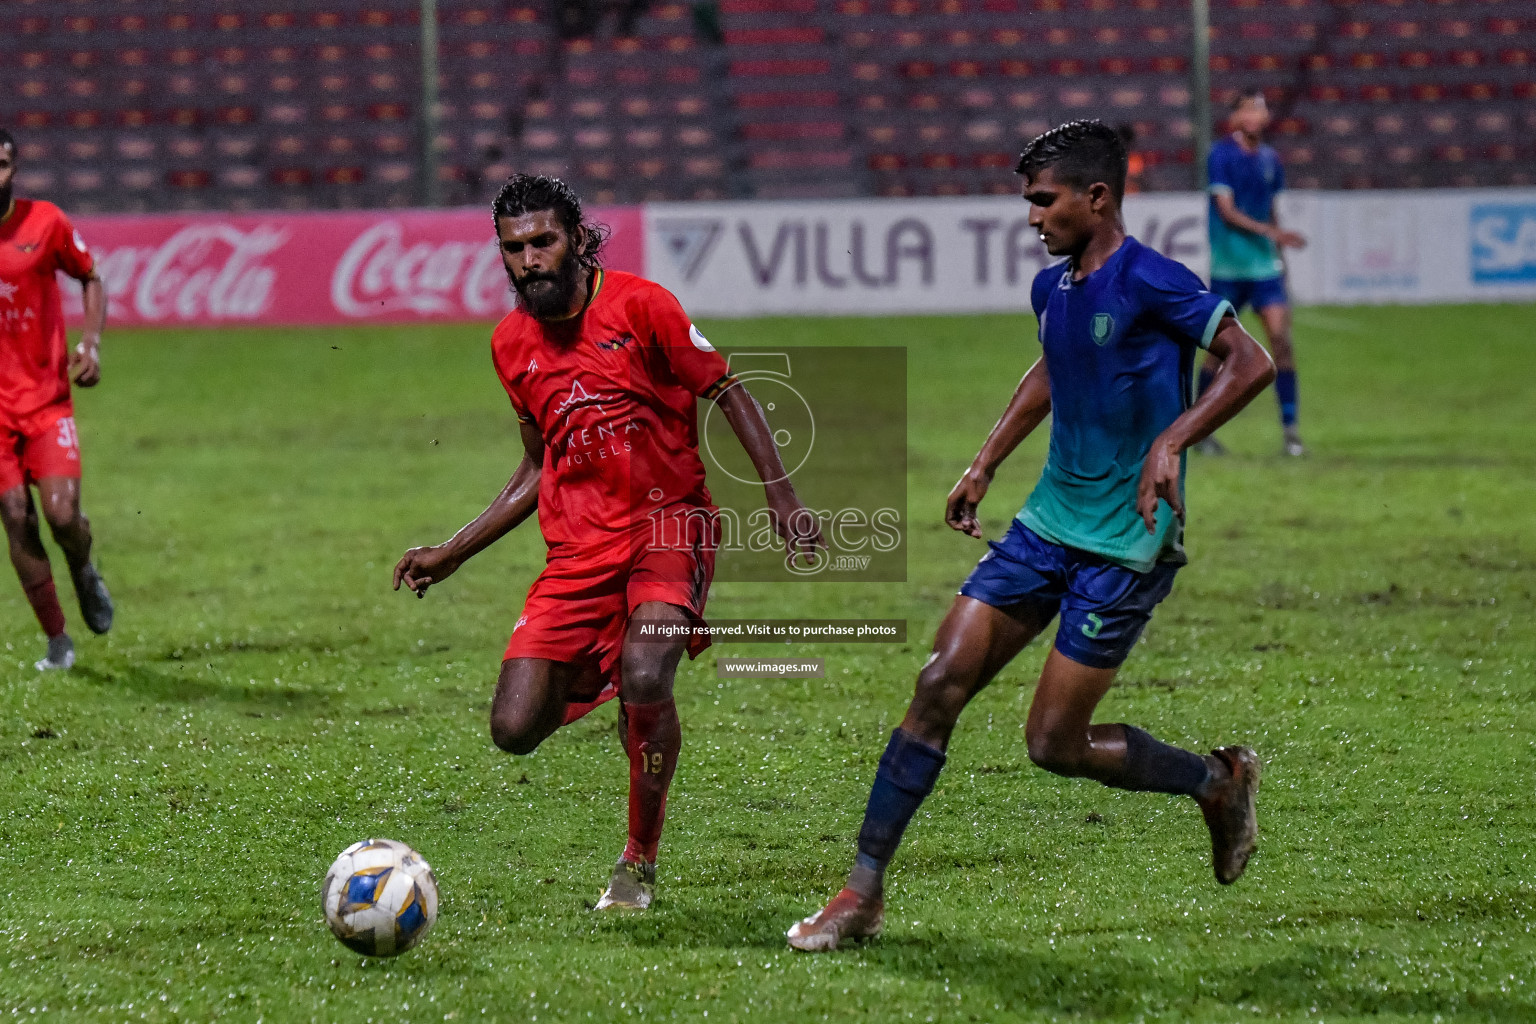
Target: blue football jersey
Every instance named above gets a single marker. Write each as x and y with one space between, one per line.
1120 349
1253 180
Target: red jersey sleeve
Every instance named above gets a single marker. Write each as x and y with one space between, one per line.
69 250
692 358
501 340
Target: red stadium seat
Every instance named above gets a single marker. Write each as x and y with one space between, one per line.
386 112
189 179
1455 28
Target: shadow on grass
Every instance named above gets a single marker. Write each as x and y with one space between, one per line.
184 687
1329 979
1315 979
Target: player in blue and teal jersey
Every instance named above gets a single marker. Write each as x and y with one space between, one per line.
1246 242
1100 539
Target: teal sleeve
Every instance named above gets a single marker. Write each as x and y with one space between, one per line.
1224 309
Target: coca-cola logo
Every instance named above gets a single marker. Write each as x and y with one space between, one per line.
207 271
380 274
202 272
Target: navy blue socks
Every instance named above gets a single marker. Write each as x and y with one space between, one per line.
1285 390
1152 766
908 769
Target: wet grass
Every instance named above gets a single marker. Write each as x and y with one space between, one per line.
1362 617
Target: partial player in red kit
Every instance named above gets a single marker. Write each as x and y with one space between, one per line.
605 371
38 444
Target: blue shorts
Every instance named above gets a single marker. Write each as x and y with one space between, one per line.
1259 294
1104 606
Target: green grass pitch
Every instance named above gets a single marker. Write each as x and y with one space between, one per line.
1362 617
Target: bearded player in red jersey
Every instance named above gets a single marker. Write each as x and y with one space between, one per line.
39 446
605 370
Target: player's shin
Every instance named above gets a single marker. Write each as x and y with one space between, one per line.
652 741
907 773
1152 766
43 596
1287 395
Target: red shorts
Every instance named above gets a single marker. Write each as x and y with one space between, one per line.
40 444
579 607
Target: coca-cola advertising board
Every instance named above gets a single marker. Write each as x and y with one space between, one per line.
320 268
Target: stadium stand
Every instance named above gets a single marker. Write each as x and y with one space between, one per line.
197 104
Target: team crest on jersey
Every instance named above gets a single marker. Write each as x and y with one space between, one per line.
615 344
1103 327
579 396
27 247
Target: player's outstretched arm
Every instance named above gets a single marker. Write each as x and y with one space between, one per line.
1226 206
1283 238
422 567
1030 405
1245 371
85 363
796 524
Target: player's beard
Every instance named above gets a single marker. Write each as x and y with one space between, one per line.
552 300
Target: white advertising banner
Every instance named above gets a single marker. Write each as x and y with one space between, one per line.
876 256
1464 245
881 256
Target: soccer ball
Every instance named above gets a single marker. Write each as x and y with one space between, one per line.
380 897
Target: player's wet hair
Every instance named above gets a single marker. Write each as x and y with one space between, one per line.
1081 152
1245 95
531 193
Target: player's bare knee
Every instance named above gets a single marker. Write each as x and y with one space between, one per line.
62 513
1056 751
646 681
14 515
516 734
942 691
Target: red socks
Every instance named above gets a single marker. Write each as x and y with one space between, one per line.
653 740
44 600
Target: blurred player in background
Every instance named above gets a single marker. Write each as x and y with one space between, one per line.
40 445
1101 536
1247 267
605 370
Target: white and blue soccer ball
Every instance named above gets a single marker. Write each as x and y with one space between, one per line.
380 897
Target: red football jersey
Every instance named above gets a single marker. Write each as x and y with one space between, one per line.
613 391
36 241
